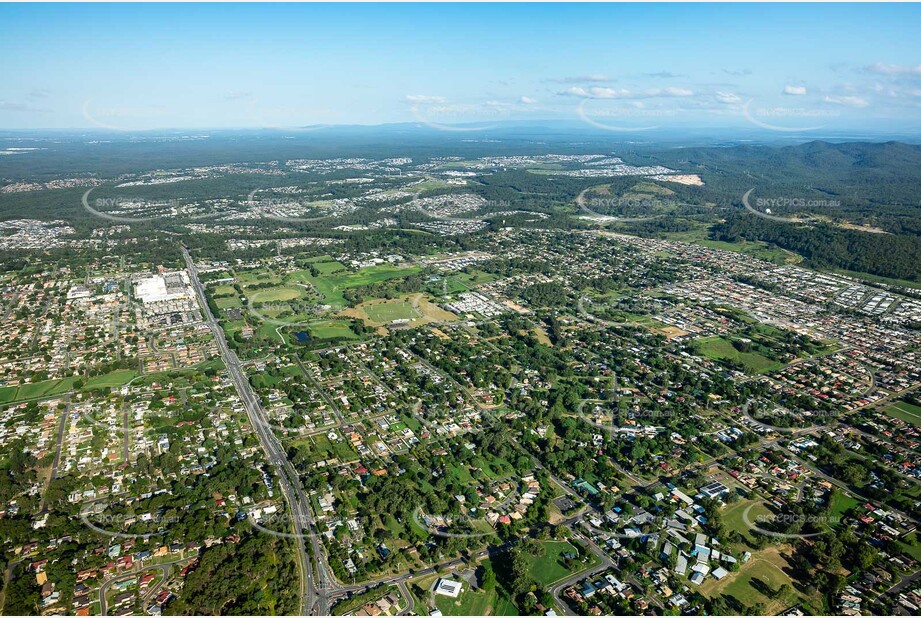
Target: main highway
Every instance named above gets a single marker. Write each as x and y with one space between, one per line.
315 581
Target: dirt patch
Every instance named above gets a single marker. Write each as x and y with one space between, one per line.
671 332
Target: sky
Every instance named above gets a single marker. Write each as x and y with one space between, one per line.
618 67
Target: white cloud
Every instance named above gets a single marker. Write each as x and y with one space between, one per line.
675 92
595 92
894 69
598 92
527 100
794 90
728 97
423 98
582 79
849 101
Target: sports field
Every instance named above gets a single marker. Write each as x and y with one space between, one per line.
390 311
904 411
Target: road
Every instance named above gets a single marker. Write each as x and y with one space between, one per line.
315 582
164 569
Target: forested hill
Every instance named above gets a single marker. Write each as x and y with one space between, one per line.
877 173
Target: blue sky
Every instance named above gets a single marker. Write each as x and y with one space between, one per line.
623 67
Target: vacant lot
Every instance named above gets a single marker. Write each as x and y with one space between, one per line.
757 581
904 411
549 568
719 348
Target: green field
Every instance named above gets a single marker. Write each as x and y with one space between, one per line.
548 568
331 329
841 504
911 545
111 380
320 447
719 348
331 285
733 517
224 290
758 249
276 294
228 302
904 411
47 388
327 268
476 603
50 388
390 311
768 575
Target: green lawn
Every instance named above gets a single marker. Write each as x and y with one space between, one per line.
332 284
331 329
548 568
842 504
50 388
112 380
740 586
46 388
326 268
733 517
320 448
911 545
719 348
276 294
388 312
476 603
223 290
227 302
904 411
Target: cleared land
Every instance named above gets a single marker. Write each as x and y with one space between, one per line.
415 308
548 568
904 411
758 581
719 348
